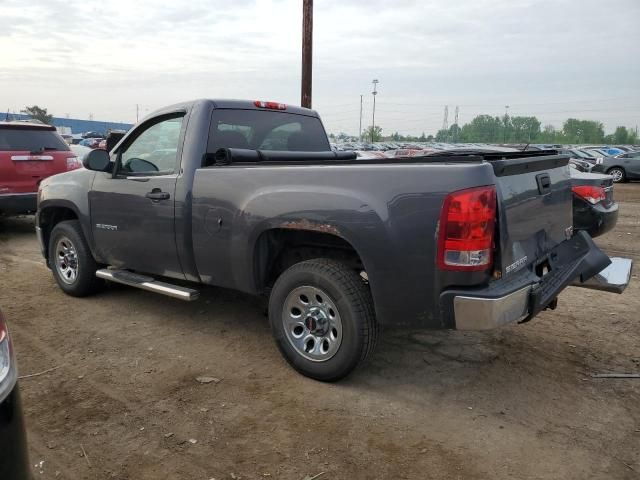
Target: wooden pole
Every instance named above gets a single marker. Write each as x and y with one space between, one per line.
307 52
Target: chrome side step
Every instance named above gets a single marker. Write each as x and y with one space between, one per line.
148 283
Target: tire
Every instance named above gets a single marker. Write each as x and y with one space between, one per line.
68 247
618 174
327 337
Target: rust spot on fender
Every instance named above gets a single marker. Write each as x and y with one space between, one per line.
305 224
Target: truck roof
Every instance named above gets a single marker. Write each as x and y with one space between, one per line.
233 104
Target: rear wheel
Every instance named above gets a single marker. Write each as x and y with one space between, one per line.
72 264
322 318
618 174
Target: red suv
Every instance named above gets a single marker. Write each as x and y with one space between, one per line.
29 152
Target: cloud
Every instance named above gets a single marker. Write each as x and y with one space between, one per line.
82 57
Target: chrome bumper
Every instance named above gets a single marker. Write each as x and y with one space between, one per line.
475 313
614 278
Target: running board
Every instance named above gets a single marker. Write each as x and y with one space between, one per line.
148 283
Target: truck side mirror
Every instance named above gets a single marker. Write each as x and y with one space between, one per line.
97 160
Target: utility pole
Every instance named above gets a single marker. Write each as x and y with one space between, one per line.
307 52
360 137
137 112
373 120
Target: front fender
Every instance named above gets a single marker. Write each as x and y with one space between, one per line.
68 191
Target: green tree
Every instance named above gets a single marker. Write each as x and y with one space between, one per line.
442 136
583 131
483 128
524 129
454 133
373 134
621 136
38 113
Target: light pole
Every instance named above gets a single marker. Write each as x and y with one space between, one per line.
373 120
360 136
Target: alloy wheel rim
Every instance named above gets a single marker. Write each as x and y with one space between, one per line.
66 260
312 323
617 175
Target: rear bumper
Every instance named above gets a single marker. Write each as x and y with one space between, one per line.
523 296
18 203
596 220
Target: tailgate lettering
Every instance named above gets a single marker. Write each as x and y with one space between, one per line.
516 265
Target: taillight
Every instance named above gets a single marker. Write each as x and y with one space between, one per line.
73 163
270 105
590 193
466 230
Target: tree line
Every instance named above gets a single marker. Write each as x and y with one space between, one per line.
513 129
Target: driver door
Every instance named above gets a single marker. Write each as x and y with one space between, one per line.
133 208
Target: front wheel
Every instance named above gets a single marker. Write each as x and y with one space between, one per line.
322 318
72 264
617 174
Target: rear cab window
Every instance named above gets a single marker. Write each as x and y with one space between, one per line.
30 139
266 130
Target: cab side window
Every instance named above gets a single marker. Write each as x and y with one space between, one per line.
154 151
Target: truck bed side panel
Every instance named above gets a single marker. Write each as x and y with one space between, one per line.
388 213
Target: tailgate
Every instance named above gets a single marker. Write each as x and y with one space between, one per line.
534 209
22 171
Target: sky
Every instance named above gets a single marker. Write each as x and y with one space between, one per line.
550 58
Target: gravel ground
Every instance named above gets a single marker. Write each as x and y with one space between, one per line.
518 402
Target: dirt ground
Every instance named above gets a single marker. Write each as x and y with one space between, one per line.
518 402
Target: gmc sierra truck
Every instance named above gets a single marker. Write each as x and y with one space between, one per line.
249 196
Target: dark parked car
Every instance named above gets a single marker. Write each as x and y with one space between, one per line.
577 154
632 154
623 167
249 196
14 463
594 209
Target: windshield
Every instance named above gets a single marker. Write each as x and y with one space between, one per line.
581 154
266 130
591 153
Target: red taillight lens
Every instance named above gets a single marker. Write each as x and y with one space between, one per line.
467 226
73 163
270 105
591 194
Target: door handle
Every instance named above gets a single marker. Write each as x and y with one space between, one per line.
157 194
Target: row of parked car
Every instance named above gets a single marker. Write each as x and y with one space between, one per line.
622 162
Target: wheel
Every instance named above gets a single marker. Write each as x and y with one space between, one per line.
322 318
71 261
618 174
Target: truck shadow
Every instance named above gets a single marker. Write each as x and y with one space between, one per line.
17 226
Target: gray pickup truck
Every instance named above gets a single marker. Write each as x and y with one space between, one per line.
249 196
